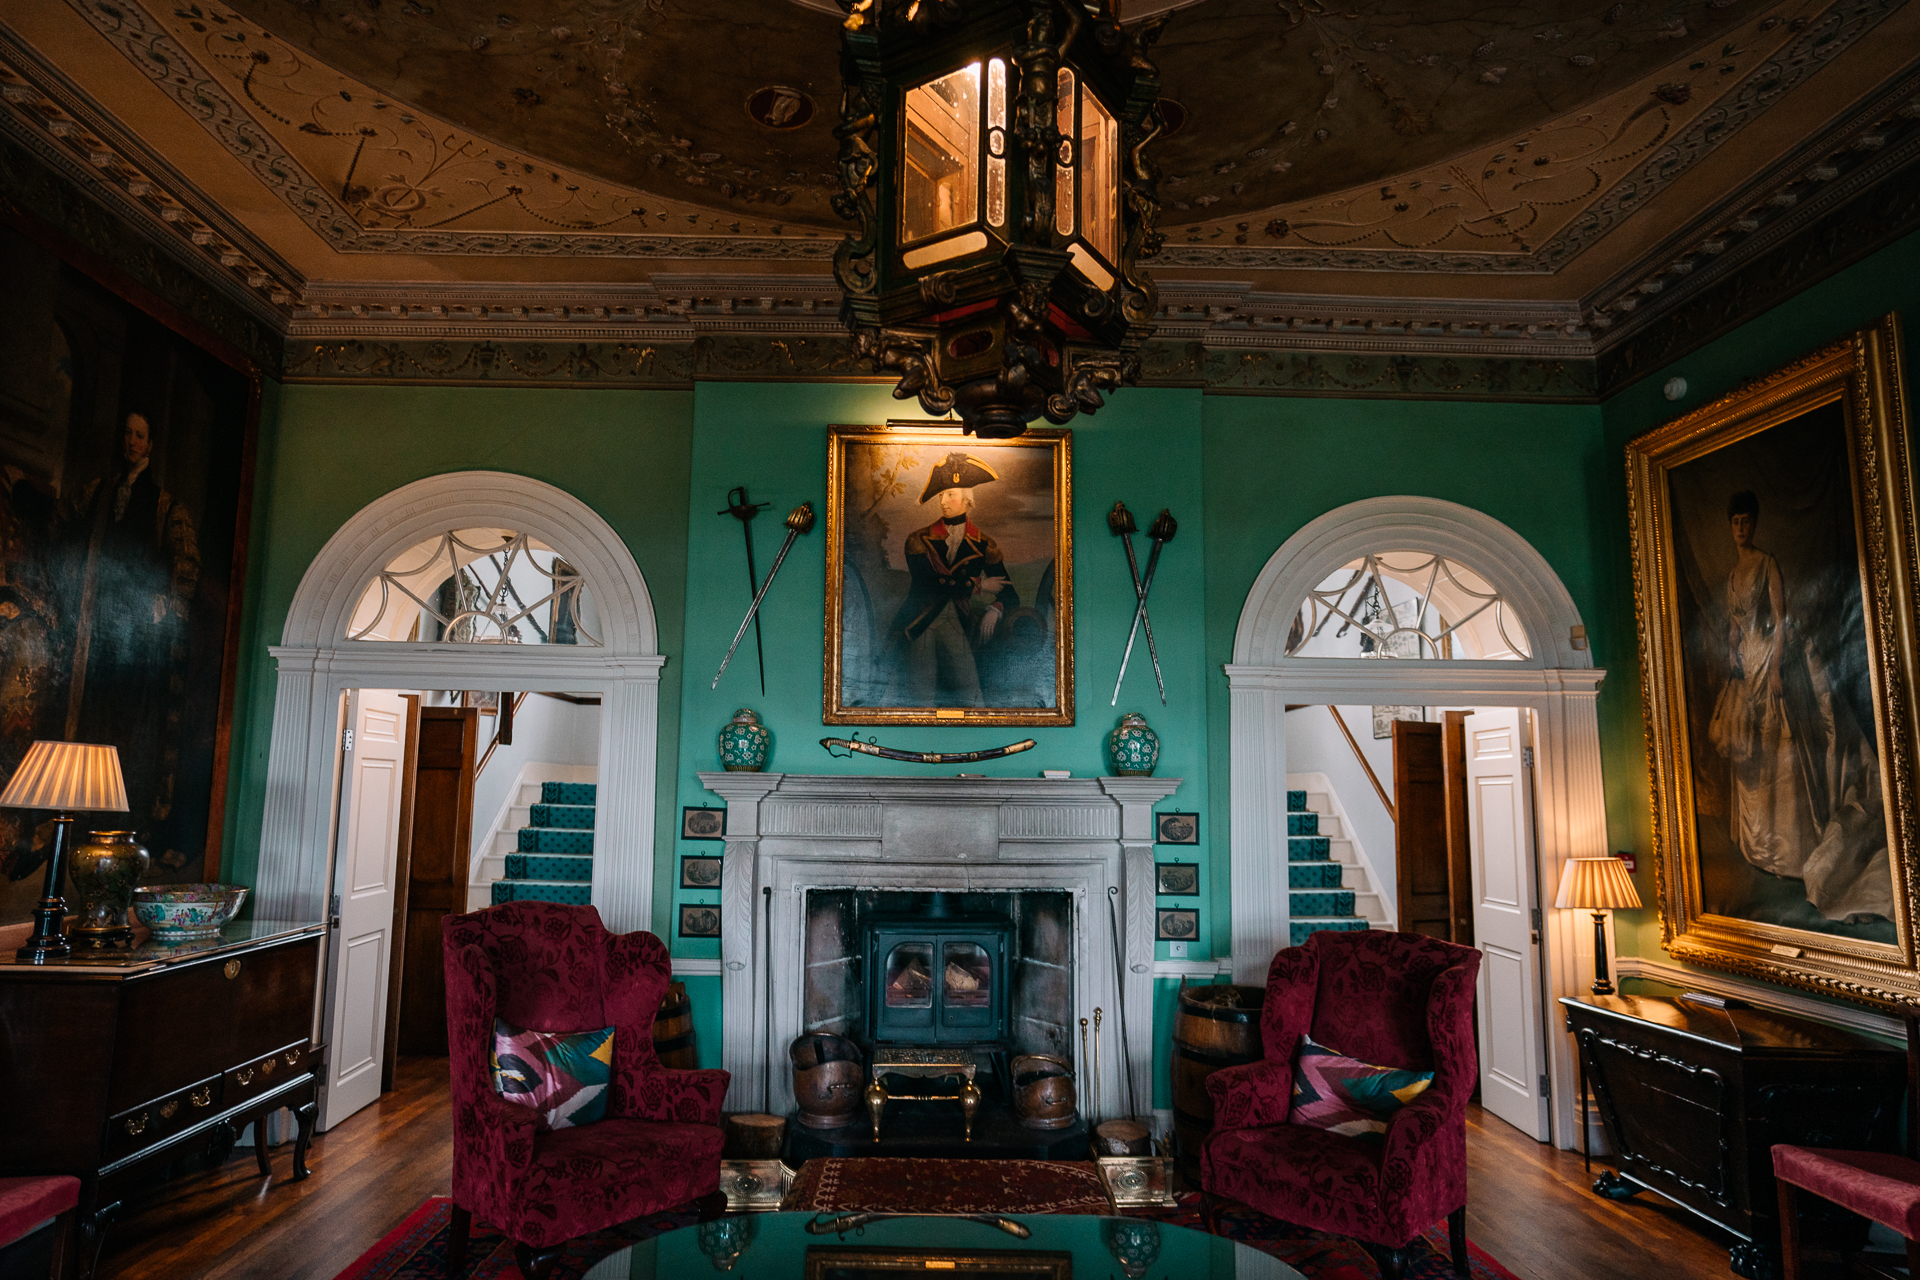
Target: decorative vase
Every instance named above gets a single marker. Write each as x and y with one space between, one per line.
104 870
1133 749
745 743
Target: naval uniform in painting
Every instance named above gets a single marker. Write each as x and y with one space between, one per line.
935 633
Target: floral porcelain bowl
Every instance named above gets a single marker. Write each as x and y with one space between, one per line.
187 912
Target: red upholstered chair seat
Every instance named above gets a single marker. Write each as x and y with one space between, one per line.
25 1203
1397 999
1873 1184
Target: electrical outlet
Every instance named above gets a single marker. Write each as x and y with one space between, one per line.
1176 951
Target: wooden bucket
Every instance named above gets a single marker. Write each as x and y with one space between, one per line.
1216 1026
673 1029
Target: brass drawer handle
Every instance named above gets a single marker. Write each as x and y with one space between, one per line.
202 1097
168 1108
232 969
266 1068
137 1126
292 1057
244 1075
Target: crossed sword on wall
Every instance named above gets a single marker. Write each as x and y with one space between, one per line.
1161 532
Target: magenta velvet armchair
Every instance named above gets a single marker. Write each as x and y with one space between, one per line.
549 967
1393 999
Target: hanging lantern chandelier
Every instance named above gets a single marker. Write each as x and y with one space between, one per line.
993 157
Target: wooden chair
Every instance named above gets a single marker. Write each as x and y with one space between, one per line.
1876 1185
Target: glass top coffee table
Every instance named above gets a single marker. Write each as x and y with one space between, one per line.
777 1246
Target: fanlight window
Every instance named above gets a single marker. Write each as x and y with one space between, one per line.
1406 604
477 586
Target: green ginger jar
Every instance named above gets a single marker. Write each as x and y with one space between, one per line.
1133 749
745 743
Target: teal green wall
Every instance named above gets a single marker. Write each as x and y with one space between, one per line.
327 451
1887 281
1142 449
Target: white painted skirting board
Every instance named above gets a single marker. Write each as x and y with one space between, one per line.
1761 996
697 967
1208 969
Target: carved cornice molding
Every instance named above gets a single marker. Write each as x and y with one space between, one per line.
770 357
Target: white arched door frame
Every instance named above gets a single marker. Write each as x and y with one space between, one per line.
317 663
1559 684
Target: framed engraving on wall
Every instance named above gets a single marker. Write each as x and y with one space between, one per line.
949 577
1773 539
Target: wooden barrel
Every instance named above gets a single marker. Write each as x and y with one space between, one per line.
1216 1026
673 1029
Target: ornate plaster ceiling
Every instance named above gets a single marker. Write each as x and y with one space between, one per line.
1399 168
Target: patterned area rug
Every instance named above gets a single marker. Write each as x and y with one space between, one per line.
417 1248
834 1185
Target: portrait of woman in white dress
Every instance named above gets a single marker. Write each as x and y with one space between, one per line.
1790 818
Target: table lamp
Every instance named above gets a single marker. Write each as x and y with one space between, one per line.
1599 884
69 778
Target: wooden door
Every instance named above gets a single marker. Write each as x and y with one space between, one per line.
410 766
1453 751
1420 830
360 945
1513 1083
436 869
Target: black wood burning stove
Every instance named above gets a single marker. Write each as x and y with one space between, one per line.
938 976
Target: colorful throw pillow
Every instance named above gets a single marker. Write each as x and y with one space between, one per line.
563 1075
1347 1096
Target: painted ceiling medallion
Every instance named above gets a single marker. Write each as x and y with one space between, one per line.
993 158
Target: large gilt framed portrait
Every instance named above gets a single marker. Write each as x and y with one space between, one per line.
949 577
1773 537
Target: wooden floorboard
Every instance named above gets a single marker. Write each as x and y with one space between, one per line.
1529 1205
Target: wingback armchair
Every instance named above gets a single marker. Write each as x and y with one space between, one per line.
1392 999
548 967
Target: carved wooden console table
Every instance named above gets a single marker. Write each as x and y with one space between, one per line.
115 1064
1695 1094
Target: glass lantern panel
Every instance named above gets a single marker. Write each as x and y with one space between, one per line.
910 976
1063 171
940 182
997 142
967 975
1099 176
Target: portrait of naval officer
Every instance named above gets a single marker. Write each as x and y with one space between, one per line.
957 595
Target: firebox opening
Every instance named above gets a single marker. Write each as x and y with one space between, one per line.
993 970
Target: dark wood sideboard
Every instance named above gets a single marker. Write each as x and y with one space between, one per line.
1694 1095
115 1065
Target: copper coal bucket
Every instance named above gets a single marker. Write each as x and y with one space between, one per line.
1042 1091
827 1086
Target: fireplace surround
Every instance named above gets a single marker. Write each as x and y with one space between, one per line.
790 836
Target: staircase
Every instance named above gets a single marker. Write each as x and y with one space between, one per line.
553 860
1318 890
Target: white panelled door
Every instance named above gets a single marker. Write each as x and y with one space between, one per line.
1500 823
366 854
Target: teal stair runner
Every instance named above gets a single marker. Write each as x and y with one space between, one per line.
1318 901
554 862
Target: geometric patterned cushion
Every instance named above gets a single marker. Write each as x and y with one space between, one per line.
1347 1096
562 1075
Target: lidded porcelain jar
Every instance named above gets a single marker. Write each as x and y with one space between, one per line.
745 743
104 869
1133 749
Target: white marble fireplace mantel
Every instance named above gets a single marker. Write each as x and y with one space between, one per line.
788 833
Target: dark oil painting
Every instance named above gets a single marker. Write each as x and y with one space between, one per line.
122 449
948 576
1790 817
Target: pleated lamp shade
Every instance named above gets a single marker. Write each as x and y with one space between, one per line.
1597 883
67 776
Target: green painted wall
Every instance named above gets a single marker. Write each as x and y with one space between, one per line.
1887 281
327 451
1143 449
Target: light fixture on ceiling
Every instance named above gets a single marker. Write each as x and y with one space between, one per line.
992 153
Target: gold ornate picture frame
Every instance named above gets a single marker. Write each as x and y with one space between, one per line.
1774 560
949 577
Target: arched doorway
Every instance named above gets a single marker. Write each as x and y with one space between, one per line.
1550 674
335 640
